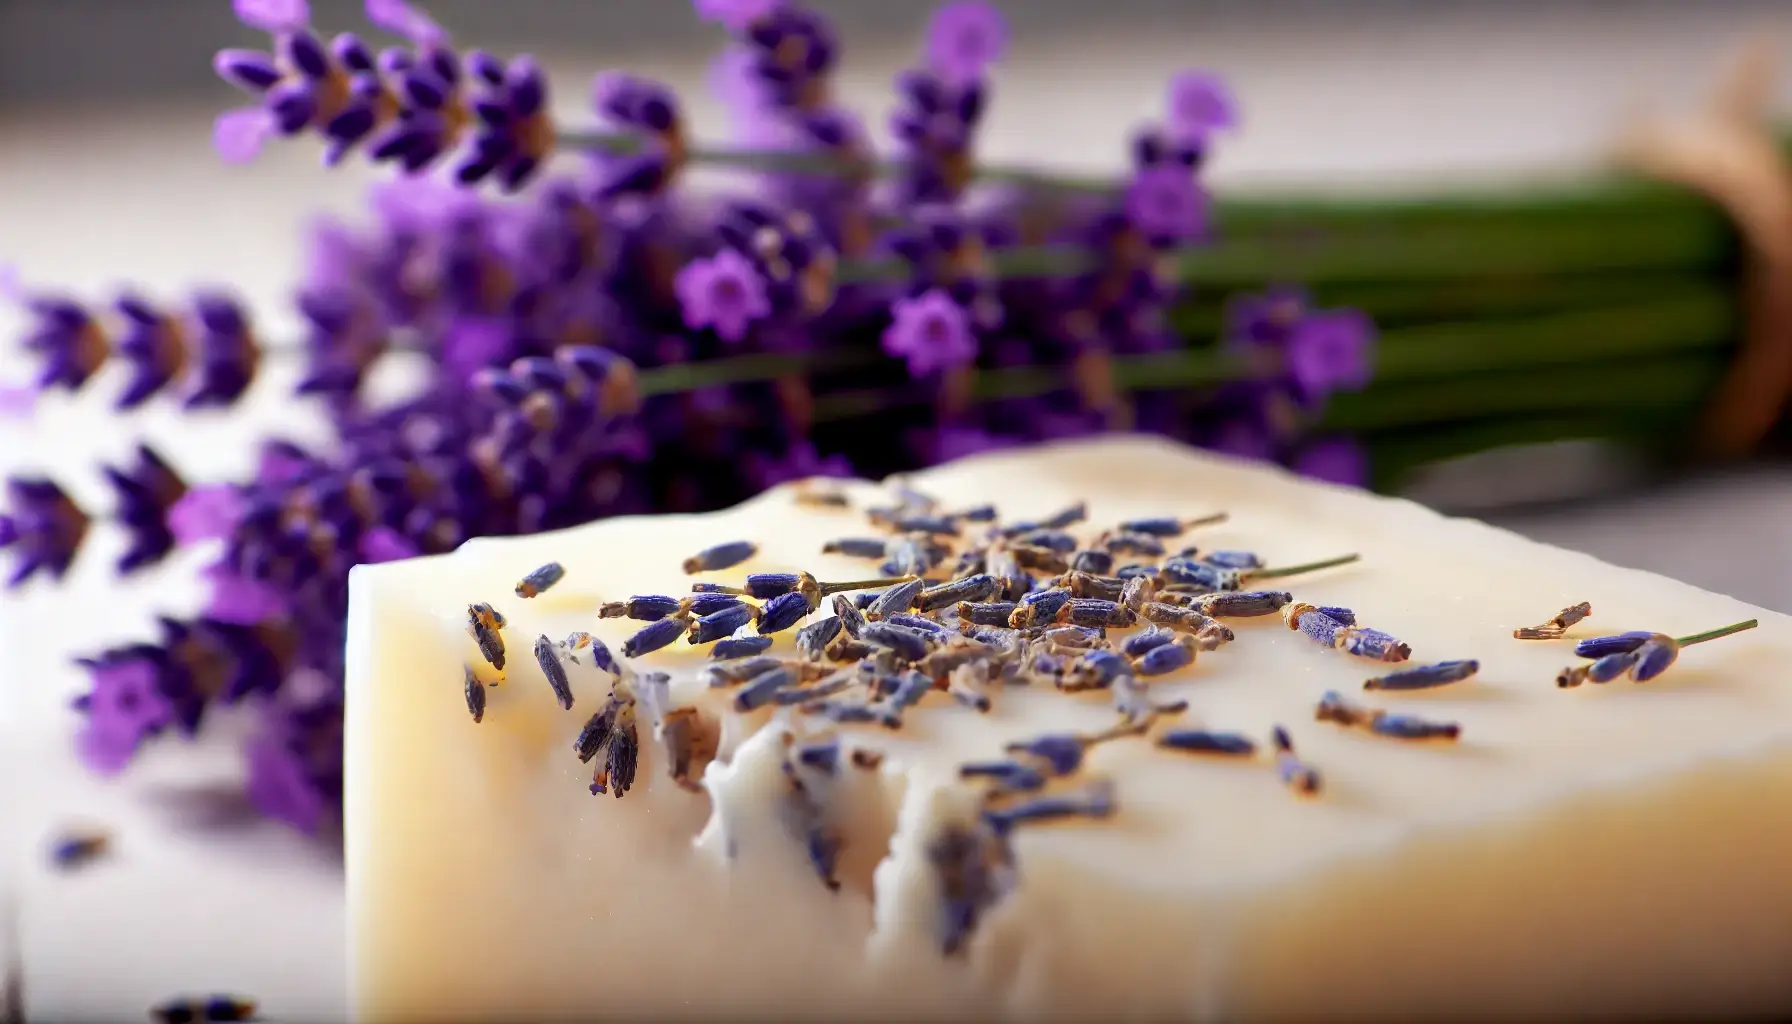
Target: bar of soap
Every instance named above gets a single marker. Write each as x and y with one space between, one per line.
1619 849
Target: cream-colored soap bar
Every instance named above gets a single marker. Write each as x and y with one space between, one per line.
1615 849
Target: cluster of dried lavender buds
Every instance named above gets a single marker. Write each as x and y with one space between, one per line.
607 344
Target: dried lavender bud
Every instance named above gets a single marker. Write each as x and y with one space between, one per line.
1136 569
907 644
912 555
734 673
782 612
1007 775
1133 544
857 547
846 649
761 689
597 730
1600 646
77 850
708 604
1201 741
204 1008
990 636
1095 801
1096 613
965 687
1096 670
1196 576
812 640
621 761
1234 560
1062 519
1137 591
1408 727
475 696
994 613
1040 606
1294 773
690 741
1015 583
1082 584
943 526
920 622
975 869
721 556
740 647
540 580
1170 657
1425 677
1096 563
1148 639
840 680
1052 540
971 588
1371 643
1343 616
656 635
847 610
484 622
1164 526
910 688
717 625
1039 559
1186 620
1075 637
642 607
1654 658
549 660
1243 603
898 598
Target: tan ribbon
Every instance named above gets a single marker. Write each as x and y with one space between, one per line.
1728 152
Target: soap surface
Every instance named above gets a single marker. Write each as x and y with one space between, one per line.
1612 849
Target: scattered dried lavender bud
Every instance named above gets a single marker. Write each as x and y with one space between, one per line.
857 547
812 640
1096 613
1164 526
655 635
966 685
1555 627
1186 620
1015 582
1654 658
1096 670
763 688
1096 563
540 580
740 647
601 657
1137 591
994 613
1039 607
1425 677
1083 584
1039 559
920 622
484 623
1294 773
1371 643
1136 569
1243 603
1333 707
1235 560
1075 637
1201 741
1147 639
618 772
1062 519
1341 615
733 673
979 587
1600 646
1133 544
78 849
724 623
852 619
1053 540
1178 654
908 644
1007 775
193 1009
936 525
721 556
899 597
837 682
597 729
911 556
975 868
847 649
475 695
644 607
708 604
783 612
1199 577
1096 800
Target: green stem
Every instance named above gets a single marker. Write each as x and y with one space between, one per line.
1306 567
1713 634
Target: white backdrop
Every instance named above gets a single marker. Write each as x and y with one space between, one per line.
203 897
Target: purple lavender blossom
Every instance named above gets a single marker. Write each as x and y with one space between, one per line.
515 133
404 19
239 599
1166 205
737 16
722 292
45 527
1337 460
154 345
1330 352
226 355
71 342
1199 105
931 332
1265 319
204 513
145 495
283 781
125 706
963 39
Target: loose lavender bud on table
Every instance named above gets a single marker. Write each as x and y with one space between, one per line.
1557 626
1096 613
193 1009
1240 561
721 556
1007 775
540 580
1425 677
897 598
783 612
549 659
1600 646
717 625
1082 584
1158 661
484 623
740 647
1096 563
1333 707
1038 607
1164 526
1039 559
657 635
1296 774
847 611
996 613
1152 636
647 607
814 638
1202 741
920 622
1052 540
857 547
1133 544
979 587
1094 801
475 692
763 688
1243 603
907 644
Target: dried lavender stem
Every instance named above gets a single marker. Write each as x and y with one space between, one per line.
1713 634
1295 570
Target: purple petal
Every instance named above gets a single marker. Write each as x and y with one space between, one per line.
249 70
207 512
16 402
736 15
1199 105
239 600
401 19
273 16
238 135
963 39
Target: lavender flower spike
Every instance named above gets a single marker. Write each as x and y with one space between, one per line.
273 16
145 495
516 134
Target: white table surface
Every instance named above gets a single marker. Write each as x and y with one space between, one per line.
202 896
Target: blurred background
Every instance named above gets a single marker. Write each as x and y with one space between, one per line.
107 177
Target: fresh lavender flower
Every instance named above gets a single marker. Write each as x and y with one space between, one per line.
930 332
145 496
723 293
514 135
1165 205
963 39
1199 105
44 527
1329 352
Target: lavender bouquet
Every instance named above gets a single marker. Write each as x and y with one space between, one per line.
600 338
